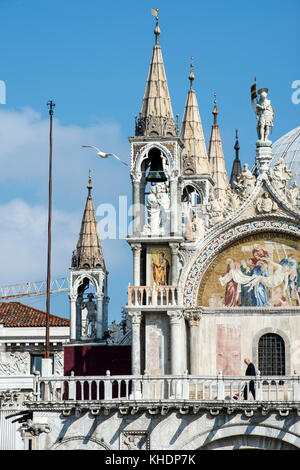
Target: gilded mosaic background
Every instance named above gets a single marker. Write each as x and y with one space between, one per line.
257 271
160 265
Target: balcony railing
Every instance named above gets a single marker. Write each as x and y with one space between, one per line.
166 388
153 296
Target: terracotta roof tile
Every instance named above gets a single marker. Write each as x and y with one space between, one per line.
15 314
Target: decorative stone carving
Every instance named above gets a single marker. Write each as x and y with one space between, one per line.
232 201
214 211
136 317
189 165
136 176
156 125
14 363
175 316
158 206
135 440
293 194
245 184
35 429
116 332
9 397
193 317
279 176
59 363
265 205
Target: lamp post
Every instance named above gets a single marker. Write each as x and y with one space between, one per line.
51 106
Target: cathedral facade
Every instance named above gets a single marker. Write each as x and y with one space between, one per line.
216 281
216 262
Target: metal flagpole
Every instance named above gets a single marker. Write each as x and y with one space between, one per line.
51 105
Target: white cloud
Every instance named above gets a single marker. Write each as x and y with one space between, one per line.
23 241
24 153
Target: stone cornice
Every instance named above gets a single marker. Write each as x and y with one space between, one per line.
163 407
249 311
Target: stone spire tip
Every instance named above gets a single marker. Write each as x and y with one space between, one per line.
215 111
90 185
191 75
157 33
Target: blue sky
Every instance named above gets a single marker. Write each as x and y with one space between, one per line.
91 57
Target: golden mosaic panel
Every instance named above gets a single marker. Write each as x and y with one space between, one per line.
160 266
261 270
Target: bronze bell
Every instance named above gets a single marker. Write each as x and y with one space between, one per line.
156 173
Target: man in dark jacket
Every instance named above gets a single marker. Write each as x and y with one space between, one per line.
249 371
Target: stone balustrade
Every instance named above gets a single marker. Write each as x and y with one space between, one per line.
153 296
58 389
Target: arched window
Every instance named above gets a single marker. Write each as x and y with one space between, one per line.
271 355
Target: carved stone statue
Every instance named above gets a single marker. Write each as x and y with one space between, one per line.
245 183
214 210
293 194
265 205
232 200
280 175
158 206
89 325
264 113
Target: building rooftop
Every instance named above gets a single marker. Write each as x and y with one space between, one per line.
15 314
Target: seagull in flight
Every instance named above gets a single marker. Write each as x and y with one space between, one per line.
102 154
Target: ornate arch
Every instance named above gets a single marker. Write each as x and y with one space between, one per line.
143 154
285 338
229 434
197 188
80 443
195 269
86 275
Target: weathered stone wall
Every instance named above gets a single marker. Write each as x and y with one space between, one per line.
226 339
171 431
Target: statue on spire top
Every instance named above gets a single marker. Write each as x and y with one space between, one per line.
264 113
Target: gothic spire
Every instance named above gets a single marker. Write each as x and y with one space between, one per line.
236 167
194 154
88 253
156 115
216 156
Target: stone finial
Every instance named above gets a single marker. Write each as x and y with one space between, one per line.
215 111
89 185
157 33
191 75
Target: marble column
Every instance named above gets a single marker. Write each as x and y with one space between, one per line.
73 298
173 208
194 318
99 325
136 318
136 200
105 312
176 342
174 263
136 250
